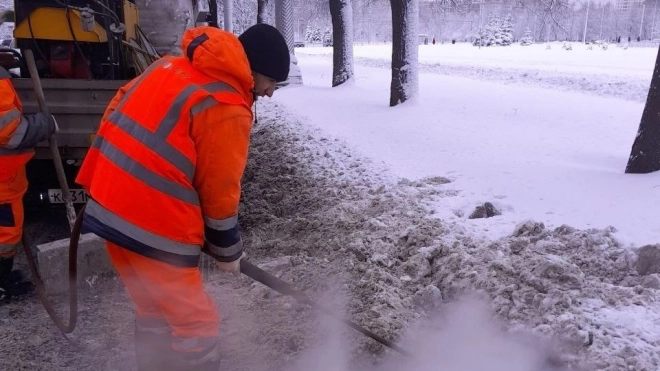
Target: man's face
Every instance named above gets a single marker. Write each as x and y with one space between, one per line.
263 85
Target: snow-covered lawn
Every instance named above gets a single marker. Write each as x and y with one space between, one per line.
634 62
549 155
615 72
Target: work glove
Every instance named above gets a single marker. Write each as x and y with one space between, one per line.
231 267
40 128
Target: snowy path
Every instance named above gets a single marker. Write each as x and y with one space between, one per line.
556 157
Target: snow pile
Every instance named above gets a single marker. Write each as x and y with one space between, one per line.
623 87
564 283
332 218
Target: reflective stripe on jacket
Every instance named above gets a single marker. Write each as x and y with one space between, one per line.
158 187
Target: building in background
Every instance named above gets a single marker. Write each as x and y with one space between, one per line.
627 4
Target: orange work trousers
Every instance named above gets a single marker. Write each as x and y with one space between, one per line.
11 212
173 296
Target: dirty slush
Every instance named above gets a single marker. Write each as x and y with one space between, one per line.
353 237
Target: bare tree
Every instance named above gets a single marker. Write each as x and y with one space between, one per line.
405 44
547 20
372 20
551 16
341 13
284 21
262 6
645 154
244 13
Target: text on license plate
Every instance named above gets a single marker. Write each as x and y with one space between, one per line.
78 196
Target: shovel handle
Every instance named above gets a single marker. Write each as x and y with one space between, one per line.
285 288
52 142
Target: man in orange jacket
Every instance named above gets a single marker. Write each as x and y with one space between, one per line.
164 175
19 133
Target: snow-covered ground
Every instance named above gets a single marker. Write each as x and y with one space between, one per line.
365 207
615 72
634 62
550 155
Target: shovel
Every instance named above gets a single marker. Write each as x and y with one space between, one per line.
284 288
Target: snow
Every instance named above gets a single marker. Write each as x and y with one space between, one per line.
349 198
613 72
6 28
549 160
633 62
348 220
552 156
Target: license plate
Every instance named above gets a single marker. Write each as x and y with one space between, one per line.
78 196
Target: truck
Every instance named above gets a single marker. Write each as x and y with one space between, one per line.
84 52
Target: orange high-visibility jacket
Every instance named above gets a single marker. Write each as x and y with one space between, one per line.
13 127
164 169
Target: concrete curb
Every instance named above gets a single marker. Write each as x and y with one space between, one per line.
53 263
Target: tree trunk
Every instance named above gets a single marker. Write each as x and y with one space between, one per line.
164 23
284 20
341 13
228 12
405 44
262 6
645 154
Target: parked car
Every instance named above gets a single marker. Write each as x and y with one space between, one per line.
327 42
298 44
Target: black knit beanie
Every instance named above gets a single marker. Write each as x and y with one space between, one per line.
267 51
